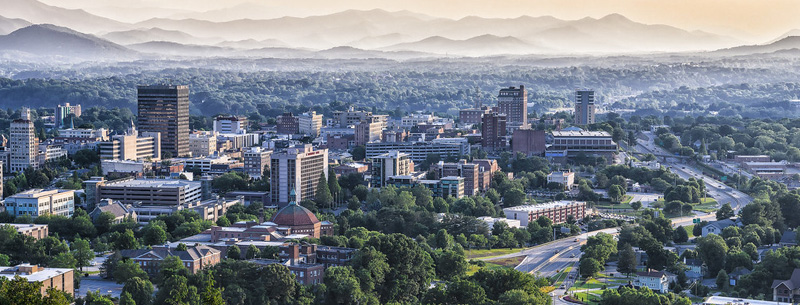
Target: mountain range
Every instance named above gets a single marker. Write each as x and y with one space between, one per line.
360 33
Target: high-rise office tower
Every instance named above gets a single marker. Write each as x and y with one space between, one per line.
62 112
390 164
165 109
24 144
296 168
513 102
584 107
493 131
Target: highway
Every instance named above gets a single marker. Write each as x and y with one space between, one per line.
716 189
550 258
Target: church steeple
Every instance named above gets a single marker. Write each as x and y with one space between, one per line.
292 197
132 130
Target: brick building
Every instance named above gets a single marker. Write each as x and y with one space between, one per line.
308 261
32 230
194 258
529 142
56 278
557 211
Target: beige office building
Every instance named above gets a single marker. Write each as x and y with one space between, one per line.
24 143
297 168
132 146
203 144
310 123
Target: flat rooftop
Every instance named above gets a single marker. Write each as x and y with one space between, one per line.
156 183
22 226
583 133
36 193
43 274
543 206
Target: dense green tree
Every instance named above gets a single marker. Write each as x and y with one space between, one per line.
231 181
680 235
725 212
411 272
465 292
234 252
140 290
712 250
627 260
343 287
722 280
450 264
514 197
104 221
63 260
519 297
589 267
252 252
211 295
126 269
599 247
323 196
155 234
126 299
125 240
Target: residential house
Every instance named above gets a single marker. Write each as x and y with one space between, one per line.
787 290
657 281
789 238
737 274
696 268
716 227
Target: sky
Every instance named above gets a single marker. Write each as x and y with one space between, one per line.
743 19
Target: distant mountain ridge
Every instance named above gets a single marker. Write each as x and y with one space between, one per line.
368 32
51 40
786 43
8 25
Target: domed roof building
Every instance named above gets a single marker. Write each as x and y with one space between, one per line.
296 219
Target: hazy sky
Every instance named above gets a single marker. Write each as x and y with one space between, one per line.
748 19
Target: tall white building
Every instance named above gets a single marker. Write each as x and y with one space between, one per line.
310 123
297 168
24 144
230 124
390 164
132 146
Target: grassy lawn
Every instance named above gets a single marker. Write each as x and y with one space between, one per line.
590 284
589 298
497 264
484 253
561 276
689 229
707 205
608 205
